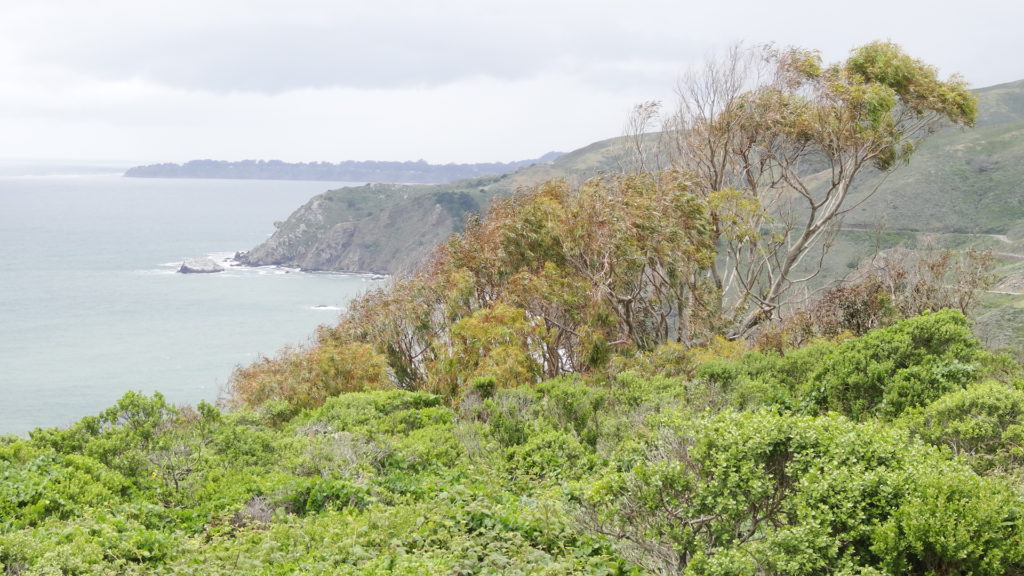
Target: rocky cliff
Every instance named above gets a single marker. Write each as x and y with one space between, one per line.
389 228
378 228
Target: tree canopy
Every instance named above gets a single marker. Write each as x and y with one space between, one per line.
774 139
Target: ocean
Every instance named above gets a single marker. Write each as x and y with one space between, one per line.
91 305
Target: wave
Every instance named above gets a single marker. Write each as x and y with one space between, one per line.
235 268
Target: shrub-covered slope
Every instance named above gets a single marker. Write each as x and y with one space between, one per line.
551 395
898 452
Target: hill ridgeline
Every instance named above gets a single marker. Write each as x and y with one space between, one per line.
419 172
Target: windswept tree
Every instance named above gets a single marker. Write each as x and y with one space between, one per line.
774 140
560 278
553 280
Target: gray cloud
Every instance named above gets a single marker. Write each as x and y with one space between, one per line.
446 80
387 46
274 46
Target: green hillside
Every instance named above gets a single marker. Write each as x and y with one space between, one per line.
965 181
960 181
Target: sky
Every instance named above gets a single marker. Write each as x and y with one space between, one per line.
146 81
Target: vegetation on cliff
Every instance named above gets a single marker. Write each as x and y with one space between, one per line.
391 228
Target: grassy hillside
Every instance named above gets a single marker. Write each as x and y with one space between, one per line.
960 181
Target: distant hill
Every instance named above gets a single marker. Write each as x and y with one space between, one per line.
419 172
961 181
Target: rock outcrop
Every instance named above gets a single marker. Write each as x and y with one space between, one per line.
381 229
199 266
392 228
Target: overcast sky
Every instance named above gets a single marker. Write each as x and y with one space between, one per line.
445 80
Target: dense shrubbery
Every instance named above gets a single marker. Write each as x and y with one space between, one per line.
759 492
714 460
555 280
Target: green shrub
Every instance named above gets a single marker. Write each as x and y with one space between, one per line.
763 493
983 423
549 455
906 365
510 415
311 495
573 407
953 522
357 410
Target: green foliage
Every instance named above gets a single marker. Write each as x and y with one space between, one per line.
509 414
983 423
574 407
358 411
953 522
704 468
753 492
915 83
46 484
549 454
909 364
312 495
494 342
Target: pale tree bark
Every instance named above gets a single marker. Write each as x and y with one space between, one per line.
774 142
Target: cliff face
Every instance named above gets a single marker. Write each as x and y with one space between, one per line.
382 229
390 228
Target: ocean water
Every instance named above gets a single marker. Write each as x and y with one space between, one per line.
91 306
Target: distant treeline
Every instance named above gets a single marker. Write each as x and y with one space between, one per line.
419 172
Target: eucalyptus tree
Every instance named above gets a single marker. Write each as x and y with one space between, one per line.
774 140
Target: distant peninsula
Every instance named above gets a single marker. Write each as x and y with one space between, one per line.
419 172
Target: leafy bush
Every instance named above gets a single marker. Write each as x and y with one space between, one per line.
983 423
549 455
573 407
509 414
306 378
906 365
356 411
757 492
311 495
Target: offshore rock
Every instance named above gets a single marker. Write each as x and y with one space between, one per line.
199 266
